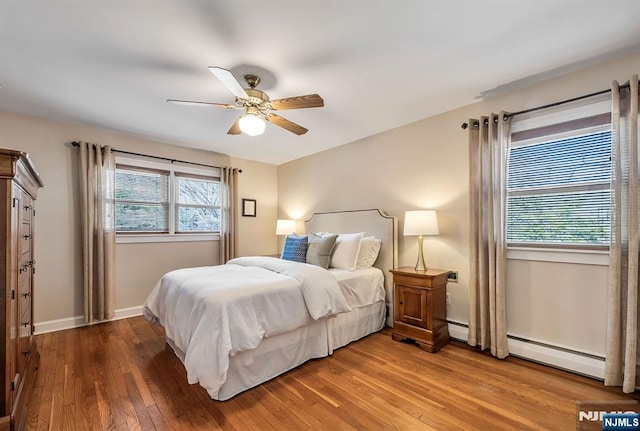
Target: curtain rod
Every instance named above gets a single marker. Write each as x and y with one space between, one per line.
113 150
550 105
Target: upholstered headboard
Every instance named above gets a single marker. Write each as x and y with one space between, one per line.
371 222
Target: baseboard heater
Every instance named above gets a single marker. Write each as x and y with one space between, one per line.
562 358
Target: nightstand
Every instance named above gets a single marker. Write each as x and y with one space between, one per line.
421 307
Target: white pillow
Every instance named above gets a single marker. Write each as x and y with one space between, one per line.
345 253
369 249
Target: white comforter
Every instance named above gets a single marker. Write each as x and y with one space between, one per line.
211 313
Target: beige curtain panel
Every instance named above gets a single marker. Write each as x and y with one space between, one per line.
623 351
488 145
228 213
96 175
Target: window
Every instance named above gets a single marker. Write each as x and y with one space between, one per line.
142 200
166 200
558 185
197 204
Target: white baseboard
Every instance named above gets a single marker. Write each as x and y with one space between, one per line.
458 331
574 362
78 321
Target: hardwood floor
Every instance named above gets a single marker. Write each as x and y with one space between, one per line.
122 376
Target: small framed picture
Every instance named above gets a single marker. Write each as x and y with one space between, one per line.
248 207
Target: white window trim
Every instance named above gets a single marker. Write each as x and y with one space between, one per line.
132 238
563 113
583 257
129 161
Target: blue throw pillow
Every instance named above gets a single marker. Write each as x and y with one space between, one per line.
295 248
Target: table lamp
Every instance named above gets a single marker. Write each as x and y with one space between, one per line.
424 222
285 227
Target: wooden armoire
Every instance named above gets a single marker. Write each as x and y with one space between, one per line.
19 358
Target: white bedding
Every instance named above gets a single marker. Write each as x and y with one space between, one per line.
278 354
360 287
212 313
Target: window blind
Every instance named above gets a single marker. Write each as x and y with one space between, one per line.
558 189
142 200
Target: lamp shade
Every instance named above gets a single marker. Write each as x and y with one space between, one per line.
251 124
285 227
424 222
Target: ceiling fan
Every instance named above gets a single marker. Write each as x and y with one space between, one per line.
257 105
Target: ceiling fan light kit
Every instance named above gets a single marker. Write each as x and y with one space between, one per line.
251 124
257 105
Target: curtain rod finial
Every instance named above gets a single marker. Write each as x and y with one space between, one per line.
464 125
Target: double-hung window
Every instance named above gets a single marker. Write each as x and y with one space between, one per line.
558 185
163 202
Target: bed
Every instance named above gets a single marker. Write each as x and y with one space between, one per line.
280 314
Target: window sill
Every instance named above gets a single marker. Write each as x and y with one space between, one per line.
186 237
584 257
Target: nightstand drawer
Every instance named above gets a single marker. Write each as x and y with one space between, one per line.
429 282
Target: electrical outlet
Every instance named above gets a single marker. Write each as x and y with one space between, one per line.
453 277
448 298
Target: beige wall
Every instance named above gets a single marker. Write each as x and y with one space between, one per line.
425 165
259 181
138 266
561 303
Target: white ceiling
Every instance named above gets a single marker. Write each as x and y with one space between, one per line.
377 64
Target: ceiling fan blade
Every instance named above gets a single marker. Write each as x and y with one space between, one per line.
192 103
235 128
286 124
308 101
229 81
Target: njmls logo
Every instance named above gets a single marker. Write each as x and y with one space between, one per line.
621 422
608 415
594 415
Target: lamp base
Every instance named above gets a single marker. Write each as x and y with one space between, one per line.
420 266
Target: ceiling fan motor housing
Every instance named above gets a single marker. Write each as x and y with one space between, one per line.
256 97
